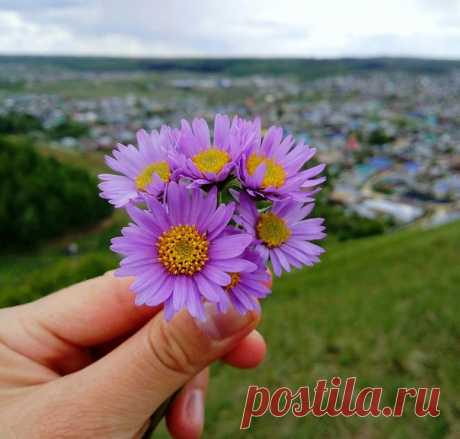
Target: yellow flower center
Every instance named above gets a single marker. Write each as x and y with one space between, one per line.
275 175
272 230
211 160
235 278
145 177
182 250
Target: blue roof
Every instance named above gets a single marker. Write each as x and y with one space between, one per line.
380 163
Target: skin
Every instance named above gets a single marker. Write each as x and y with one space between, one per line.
85 362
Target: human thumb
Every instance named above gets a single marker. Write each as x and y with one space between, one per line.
131 382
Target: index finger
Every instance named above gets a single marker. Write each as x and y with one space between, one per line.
91 312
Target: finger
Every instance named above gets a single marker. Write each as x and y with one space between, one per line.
55 331
185 417
91 312
135 378
28 338
249 352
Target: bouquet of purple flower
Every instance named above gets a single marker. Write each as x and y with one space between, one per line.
209 216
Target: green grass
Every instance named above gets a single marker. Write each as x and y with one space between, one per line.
384 309
92 161
95 88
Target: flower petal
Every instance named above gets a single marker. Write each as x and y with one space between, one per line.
206 288
234 265
229 246
215 275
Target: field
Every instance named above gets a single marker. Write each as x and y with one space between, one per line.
382 309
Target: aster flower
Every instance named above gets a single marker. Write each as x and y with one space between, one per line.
206 162
247 286
180 253
272 167
282 235
144 169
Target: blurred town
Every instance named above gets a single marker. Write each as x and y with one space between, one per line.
391 140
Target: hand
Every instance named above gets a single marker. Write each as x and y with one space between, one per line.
87 363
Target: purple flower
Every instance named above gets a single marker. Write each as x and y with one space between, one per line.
180 252
146 169
272 167
206 162
281 233
246 287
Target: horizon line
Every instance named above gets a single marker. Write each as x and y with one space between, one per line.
234 57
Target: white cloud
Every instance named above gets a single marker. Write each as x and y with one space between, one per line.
239 27
21 36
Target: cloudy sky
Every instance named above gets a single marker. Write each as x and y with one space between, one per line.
321 28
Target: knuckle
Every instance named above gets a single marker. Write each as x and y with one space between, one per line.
170 351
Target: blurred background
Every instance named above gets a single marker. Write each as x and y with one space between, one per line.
375 87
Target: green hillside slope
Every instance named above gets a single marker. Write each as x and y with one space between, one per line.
384 309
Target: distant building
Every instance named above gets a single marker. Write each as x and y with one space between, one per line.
447 187
443 217
402 213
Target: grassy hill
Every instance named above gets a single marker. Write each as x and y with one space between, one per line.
384 309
